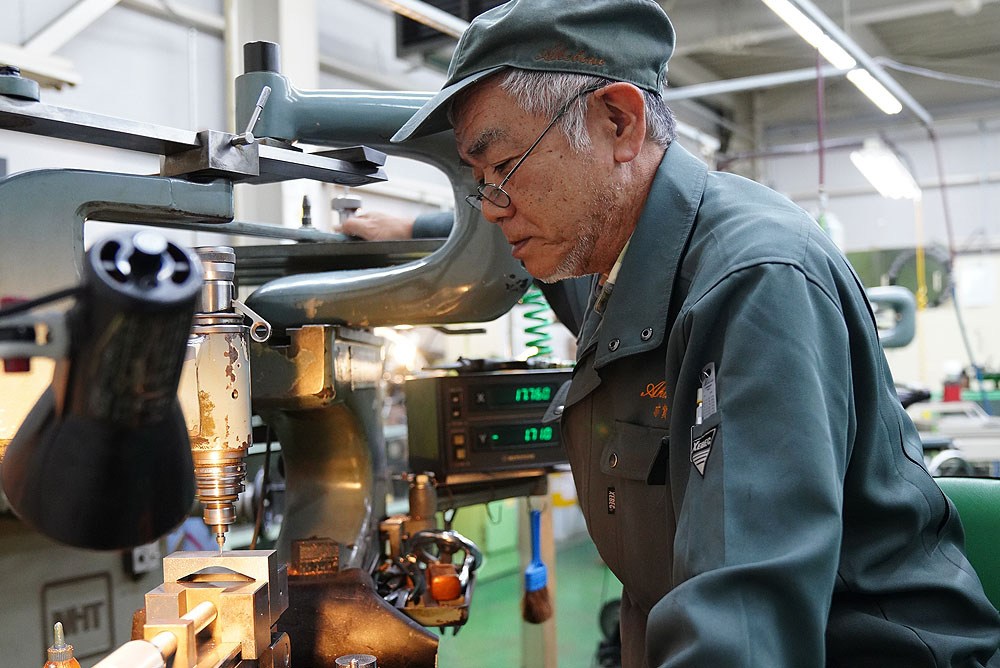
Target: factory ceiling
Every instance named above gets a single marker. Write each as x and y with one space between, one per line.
730 39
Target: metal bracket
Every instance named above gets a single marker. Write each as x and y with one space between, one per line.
218 157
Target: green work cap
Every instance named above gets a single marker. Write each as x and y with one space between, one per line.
623 40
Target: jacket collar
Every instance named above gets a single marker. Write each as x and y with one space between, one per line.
637 312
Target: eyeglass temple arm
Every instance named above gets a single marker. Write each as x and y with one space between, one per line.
559 114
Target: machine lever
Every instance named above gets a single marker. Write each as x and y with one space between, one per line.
260 329
247 137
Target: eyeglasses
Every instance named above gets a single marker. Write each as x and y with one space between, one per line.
494 193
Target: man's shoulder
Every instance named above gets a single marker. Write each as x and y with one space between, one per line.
751 219
741 224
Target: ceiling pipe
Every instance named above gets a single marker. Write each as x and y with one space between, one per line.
754 82
867 62
807 148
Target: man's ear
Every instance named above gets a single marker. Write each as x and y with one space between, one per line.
622 113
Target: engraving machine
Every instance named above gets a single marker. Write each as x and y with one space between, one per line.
316 382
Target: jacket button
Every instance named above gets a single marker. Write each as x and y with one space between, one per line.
613 460
613 345
646 334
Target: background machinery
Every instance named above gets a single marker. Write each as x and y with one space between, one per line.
155 399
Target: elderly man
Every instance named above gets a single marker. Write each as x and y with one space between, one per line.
741 458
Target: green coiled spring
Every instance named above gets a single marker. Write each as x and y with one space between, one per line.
538 310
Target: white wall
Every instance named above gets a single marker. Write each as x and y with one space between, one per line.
971 157
972 168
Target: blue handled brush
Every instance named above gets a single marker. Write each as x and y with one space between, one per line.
536 607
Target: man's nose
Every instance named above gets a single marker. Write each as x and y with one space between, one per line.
494 213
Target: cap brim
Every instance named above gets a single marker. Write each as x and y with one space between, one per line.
433 116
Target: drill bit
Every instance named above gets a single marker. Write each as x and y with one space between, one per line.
220 538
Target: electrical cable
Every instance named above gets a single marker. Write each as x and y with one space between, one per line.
263 491
984 399
21 307
934 74
821 186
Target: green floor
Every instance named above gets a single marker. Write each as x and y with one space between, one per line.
491 637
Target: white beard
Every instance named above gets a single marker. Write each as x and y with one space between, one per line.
576 261
605 213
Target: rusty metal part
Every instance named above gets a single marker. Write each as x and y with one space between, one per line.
215 392
449 613
314 555
215 398
335 614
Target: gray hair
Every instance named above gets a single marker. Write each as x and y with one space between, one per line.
544 93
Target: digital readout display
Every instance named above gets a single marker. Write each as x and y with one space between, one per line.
516 395
518 435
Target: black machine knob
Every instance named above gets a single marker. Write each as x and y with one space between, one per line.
261 57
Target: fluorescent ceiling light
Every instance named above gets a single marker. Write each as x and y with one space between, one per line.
812 33
835 54
884 170
875 91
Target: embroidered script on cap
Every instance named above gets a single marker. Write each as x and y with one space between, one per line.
560 52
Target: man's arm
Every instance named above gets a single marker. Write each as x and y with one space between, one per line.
381 226
758 535
433 225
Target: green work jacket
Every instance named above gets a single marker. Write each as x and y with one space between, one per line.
794 524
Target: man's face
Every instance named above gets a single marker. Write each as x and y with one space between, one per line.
561 200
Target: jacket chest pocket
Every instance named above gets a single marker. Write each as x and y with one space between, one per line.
636 452
633 524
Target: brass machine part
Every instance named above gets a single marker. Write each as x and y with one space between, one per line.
212 610
172 642
219 477
215 391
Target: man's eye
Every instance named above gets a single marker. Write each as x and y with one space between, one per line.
501 168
